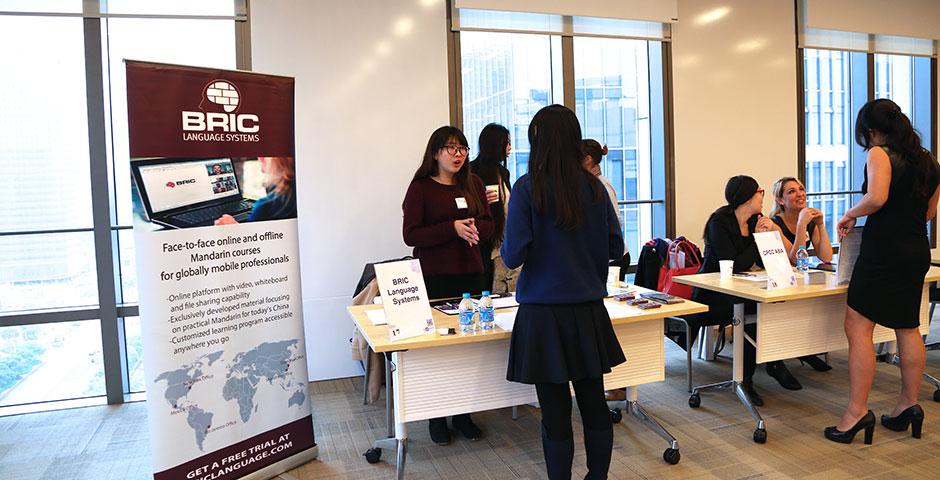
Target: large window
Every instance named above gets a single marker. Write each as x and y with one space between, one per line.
616 92
836 84
68 325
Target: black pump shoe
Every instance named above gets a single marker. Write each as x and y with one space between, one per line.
866 423
780 372
913 416
818 364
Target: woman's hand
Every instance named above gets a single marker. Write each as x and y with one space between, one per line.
492 195
846 224
467 230
818 218
226 220
805 218
765 224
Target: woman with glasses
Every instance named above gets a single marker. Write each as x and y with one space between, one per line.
445 219
900 197
563 230
729 235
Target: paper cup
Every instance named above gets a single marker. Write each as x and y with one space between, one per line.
726 267
613 276
492 188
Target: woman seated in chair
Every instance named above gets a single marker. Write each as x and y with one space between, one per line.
729 235
800 226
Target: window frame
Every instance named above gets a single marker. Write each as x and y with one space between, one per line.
110 310
855 151
663 90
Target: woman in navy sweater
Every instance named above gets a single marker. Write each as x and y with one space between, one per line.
563 230
445 218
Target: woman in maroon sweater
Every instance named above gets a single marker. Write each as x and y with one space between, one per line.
445 217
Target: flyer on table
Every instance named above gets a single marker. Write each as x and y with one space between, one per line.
215 221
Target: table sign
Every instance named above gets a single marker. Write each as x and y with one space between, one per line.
776 261
405 299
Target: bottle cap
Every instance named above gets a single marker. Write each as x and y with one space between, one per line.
486 293
466 295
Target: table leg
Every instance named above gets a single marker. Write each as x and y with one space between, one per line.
365 378
706 343
760 433
671 454
389 397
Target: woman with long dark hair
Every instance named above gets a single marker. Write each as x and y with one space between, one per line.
729 235
445 219
900 197
490 166
563 231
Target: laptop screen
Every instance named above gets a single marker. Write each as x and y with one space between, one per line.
174 185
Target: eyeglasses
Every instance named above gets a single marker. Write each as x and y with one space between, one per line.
455 149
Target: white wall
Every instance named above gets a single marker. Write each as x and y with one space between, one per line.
734 85
371 87
909 18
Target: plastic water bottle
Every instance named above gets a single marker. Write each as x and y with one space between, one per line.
802 260
487 315
465 313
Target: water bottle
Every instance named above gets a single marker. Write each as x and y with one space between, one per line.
465 314
487 315
802 260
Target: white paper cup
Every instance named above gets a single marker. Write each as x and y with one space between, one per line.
726 267
492 188
613 276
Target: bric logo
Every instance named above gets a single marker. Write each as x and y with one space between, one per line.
224 94
170 184
221 92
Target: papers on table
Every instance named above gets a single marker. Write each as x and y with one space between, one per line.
377 317
505 320
751 277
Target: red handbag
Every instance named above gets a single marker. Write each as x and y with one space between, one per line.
682 258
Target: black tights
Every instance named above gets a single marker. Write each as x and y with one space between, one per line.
557 436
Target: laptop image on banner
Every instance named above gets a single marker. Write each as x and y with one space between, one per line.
184 193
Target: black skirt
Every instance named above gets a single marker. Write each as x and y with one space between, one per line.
888 280
562 343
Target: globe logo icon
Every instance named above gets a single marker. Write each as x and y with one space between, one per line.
223 93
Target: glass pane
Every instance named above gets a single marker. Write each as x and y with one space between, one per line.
172 7
134 346
506 78
894 80
828 123
45 6
637 224
43 125
612 90
127 267
47 271
55 361
157 40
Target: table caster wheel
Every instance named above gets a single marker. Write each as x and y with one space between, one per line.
671 456
695 400
936 395
616 415
760 436
373 455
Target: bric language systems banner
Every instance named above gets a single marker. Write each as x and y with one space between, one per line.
215 221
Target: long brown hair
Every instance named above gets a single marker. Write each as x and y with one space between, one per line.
555 165
463 179
778 194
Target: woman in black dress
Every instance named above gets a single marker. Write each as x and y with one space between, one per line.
563 230
900 196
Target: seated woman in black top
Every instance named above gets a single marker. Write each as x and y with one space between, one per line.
729 236
791 215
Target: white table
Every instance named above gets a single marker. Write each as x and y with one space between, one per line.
437 376
791 322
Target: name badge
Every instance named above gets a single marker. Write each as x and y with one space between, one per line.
461 203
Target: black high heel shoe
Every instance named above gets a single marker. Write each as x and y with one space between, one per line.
913 416
866 423
815 362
